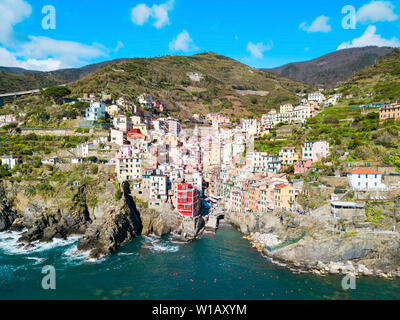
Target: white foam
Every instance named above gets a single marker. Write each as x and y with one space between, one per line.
74 255
10 245
38 260
126 253
160 245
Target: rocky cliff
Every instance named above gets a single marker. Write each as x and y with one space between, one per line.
104 227
304 243
7 214
119 225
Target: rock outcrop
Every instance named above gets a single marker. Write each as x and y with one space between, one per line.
321 250
45 223
119 225
158 223
7 214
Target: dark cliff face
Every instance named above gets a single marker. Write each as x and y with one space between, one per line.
56 223
119 225
7 214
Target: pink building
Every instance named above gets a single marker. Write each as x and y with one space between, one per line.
302 166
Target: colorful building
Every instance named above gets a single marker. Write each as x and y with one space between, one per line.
187 200
389 111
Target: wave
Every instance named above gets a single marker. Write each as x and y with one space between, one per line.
159 245
74 256
38 260
9 244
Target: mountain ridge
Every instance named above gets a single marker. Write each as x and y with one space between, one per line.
332 68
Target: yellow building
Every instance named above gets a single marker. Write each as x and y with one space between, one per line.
285 197
288 156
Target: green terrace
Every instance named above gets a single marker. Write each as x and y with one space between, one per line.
347 129
36 144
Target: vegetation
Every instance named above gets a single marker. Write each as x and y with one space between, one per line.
166 79
377 83
56 93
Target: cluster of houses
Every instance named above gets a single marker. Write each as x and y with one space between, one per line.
173 166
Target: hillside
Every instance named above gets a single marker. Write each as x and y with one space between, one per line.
196 84
377 83
333 68
17 79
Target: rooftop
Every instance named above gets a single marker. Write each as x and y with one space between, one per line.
363 171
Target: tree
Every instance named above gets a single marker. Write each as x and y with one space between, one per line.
56 93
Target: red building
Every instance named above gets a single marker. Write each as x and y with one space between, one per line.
187 200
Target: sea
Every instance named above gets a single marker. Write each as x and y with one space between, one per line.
218 266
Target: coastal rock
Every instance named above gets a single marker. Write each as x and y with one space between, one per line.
158 223
120 224
50 223
364 270
7 215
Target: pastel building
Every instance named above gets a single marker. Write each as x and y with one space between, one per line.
122 123
302 166
95 111
389 111
285 197
365 180
315 151
288 156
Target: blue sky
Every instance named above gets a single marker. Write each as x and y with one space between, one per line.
260 33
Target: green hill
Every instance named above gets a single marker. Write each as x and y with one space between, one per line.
17 79
225 85
377 83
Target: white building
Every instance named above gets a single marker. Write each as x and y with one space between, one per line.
316 96
158 187
122 123
286 108
198 181
315 150
251 127
118 137
365 180
10 161
174 126
50 161
262 162
95 111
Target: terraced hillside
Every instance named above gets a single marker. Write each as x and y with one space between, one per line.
196 84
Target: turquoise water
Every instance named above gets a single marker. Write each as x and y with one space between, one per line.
221 266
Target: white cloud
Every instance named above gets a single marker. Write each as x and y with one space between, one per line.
321 24
42 65
183 42
257 50
120 45
71 54
370 38
46 54
9 59
142 13
376 11
12 12
38 52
